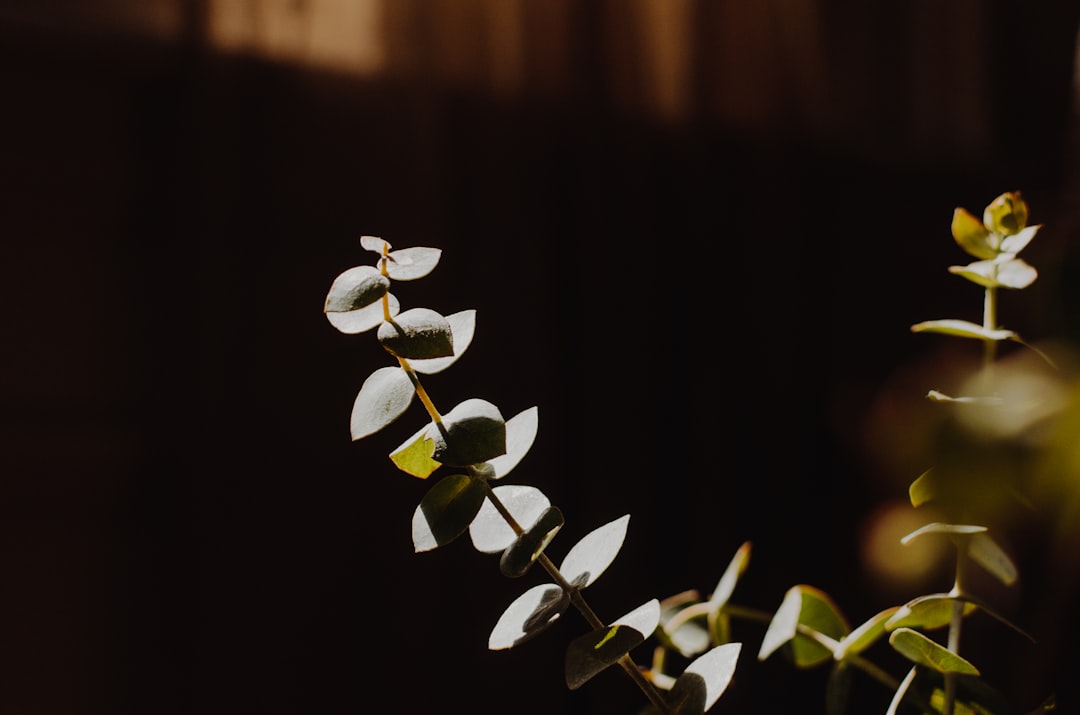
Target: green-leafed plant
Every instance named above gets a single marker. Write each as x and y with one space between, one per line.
466 452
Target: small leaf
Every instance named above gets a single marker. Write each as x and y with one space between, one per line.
411 263
704 680
446 511
924 489
374 244
865 635
591 556
414 456
523 552
364 319
1006 214
939 528
1017 242
417 334
356 288
520 435
784 624
928 612
922 651
462 327
963 329
384 396
735 569
984 551
819 613
1014 273
971 235
473 432
588 655
530 614
489 531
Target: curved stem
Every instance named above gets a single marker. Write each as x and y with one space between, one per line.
421 392
626 662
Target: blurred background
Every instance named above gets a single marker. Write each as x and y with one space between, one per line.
695 232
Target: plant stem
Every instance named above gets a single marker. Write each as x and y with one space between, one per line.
421 393
955 625
626 662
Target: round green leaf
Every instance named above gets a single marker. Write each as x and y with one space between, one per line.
356 288
446 511
971 235
922 651
529 615
383 397
411 263
473 432
462 327
417 334
489 531
984 551
364 319
928 612
588 655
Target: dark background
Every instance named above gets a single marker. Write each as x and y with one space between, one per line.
706 297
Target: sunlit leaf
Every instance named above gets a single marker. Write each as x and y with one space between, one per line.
374 244
865 635
356 288
703 681
520 435
446 511
726 586
489 531
1014 273
474 432
924 489
928 612
984 551
523 552
588 655
940 528
963 329
462 327
922 651
819 613
384 396
411 263
591 556
784 624
1006 214
1017 242
364 319
417 334
414 456
529 615
971 235
686 635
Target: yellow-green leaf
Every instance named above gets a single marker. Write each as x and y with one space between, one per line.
922 651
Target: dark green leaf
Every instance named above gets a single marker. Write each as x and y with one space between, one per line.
474 432
462 328
588 655
446 511
520 555
529 615
356 288
922 651
364 319
417 334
